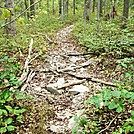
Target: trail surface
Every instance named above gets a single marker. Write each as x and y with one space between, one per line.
66 80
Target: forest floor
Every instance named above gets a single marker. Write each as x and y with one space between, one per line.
66 80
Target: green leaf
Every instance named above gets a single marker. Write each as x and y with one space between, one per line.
124 65
11 128
132 112
8 120
119 109
9 108
107 103
5 112
76 118
20 96
107 94
96 100
112 105
20 111
3 129
132 96
19 119
83 120
123 93
116 93
9 99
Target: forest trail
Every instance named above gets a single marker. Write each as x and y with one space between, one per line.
66 80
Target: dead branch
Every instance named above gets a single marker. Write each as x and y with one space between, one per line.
85 64
79 54
26 68
108 125
92 79
54 89
72 83
19 15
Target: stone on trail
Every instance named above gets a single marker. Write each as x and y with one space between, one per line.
78 89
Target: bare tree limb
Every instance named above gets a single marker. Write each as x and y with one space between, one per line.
26 69
108 125
92 79
19 15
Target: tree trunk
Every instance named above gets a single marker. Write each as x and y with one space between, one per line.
74 6
93 6
48 6
26 6
10 28
60 7
105 6
53 10
87 8
100 11
67 4
32 9
126 9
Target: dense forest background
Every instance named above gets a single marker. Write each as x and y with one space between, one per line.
101 29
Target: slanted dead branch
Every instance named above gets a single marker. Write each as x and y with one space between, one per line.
92 79
107 125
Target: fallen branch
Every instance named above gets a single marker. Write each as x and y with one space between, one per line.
108 125
79 54
26 68
72 83
85 64
24 75
92 79
49 40
54 88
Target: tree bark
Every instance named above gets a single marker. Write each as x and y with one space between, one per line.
53 10
10 28
74 6
26 6
100 11
32 9
93 6
126 9
48 6
60 7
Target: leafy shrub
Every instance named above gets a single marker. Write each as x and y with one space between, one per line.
10 109
108 39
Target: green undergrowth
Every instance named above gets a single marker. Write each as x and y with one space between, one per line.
39 28
111 109
18 111
106 37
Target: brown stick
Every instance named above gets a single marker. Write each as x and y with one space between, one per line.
92 79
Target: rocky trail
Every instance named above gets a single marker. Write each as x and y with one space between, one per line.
66 80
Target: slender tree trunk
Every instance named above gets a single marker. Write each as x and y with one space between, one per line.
105 6
126 8
60 7
93 6
98 13
62 10
67 4
100 9
10 28
32 9
53 10
86 9
48 6
26 6
74 6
